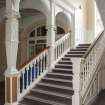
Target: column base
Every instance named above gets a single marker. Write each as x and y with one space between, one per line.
76 99
10 72
15 103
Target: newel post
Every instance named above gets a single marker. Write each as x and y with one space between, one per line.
51 31
76 99
11 42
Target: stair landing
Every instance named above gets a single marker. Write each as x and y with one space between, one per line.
100 99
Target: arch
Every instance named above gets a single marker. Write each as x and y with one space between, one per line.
31 18
63 20
41 5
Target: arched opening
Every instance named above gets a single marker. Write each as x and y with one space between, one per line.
32 33
62 24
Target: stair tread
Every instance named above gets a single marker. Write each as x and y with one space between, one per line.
83 49
63 65
65 61
63 69
61 74
84 44
51 93
43 100
56 86
74 54
55 79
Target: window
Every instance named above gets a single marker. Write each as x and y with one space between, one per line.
41 41
40 47
41 31
60 30
36 42
32 34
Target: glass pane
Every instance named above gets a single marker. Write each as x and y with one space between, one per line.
43 31
32 34
38 31
60 30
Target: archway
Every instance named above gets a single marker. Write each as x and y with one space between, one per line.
62 24
33 19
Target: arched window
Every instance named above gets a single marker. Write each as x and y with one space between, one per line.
37 40
60 30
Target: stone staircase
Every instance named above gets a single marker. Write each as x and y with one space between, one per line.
56 87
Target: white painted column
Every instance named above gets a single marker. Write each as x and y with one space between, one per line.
12 40
73 44
51 31
76 98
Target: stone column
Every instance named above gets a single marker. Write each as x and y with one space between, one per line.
12 40
51 31
76 98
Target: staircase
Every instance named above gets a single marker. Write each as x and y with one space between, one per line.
56 87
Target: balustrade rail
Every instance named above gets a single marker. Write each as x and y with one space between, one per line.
30 71
91 61
84 69
62 46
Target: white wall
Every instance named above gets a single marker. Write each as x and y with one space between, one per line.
98 22
79 26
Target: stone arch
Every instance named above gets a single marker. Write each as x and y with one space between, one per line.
63 20
30 23
41 5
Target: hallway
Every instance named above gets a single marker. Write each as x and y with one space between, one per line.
101 99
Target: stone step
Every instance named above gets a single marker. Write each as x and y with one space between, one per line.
77 52
60 76
66 59
83 47
84 44
57 81
74 55
65 62
63 71
78 49
55 88
51 96
33 100
64 66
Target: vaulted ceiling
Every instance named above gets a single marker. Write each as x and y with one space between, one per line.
29 12
75 3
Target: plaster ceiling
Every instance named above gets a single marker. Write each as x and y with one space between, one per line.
75 3
29 12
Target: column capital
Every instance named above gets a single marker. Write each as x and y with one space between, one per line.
12 14
51 27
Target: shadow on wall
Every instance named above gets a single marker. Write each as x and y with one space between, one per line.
3 64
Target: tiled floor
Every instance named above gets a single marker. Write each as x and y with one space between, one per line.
101 99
